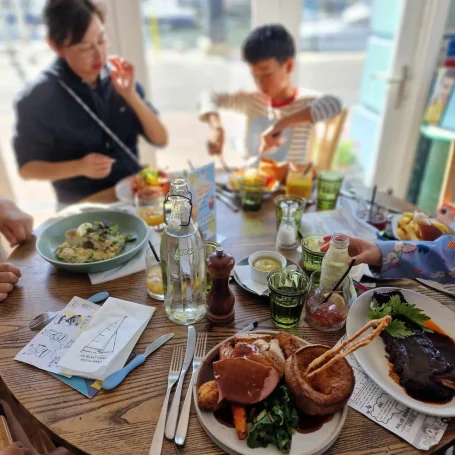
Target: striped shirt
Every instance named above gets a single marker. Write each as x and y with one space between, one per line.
260 115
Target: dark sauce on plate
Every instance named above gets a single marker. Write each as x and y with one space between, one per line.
310 424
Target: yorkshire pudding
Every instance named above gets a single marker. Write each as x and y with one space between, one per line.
324 393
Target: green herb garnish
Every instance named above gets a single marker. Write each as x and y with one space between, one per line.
401 312
275 422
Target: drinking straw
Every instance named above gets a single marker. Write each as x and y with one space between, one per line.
154 252
373 197
345 274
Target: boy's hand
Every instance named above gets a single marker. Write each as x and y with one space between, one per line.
271 138
216 141
15 224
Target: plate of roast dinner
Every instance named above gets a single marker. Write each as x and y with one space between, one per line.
413 359
270 392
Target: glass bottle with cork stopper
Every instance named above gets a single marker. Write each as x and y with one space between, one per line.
220 300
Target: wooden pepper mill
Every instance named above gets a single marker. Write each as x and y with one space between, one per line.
220 300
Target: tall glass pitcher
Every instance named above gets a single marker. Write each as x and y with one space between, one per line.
183 259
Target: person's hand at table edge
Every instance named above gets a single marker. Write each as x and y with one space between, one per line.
15 224
363 251
9 277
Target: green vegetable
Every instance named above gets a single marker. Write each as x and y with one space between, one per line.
275 422
401 312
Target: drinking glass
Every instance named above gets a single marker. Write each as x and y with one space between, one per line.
299 184
153 276
329 185
288 289
312 255
252 192
210 248
295 204
149 206
331 315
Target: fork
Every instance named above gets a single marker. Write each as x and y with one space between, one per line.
182 427
174 373
44 318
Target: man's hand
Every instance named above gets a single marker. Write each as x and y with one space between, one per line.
122 77
96 166
216 141
271 138
15 224
362 251
9 276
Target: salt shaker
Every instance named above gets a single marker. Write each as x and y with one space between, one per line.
287 232
220 300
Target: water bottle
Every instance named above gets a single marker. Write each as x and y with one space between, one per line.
183 259
335 261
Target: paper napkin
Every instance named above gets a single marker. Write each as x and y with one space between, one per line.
107 342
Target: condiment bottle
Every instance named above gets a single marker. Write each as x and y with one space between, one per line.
220 300
183 259
335 261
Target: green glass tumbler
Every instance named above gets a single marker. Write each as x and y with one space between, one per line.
295 204
252 193
288 289
329 185
312 255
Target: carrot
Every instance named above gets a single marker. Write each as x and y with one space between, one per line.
239 415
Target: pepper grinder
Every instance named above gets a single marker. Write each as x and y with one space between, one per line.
220 300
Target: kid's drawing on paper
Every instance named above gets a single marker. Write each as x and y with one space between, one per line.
104 342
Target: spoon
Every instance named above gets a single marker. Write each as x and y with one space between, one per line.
43 319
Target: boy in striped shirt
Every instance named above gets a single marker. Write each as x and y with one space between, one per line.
280 116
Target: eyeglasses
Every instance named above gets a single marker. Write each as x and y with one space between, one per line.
88 48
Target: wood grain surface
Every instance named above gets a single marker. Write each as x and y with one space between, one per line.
123 421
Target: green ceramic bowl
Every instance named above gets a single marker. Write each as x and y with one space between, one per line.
54 235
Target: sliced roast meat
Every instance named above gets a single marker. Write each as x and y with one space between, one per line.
244 381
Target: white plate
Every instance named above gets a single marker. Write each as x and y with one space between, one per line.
224 437
373 359
123 190
394 224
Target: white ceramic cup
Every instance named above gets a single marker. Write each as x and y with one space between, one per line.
259 275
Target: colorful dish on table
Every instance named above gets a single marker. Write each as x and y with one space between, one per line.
91 242
129 226
148 178
313 435
386 359
407 227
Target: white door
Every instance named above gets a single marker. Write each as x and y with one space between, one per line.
400 60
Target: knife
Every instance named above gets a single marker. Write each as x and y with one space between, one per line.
114 379
171 424
435 285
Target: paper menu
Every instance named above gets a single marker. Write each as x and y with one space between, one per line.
46 349
106 344
420 430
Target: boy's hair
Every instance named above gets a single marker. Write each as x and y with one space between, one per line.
68 20
268 41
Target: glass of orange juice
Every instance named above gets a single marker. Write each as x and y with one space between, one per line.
149 206
153 276
299 184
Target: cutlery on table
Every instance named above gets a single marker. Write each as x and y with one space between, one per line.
114 379
227 201
182 427
174 371
437 286
43 319
171 423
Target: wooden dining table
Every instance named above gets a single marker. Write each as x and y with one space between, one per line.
123 421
